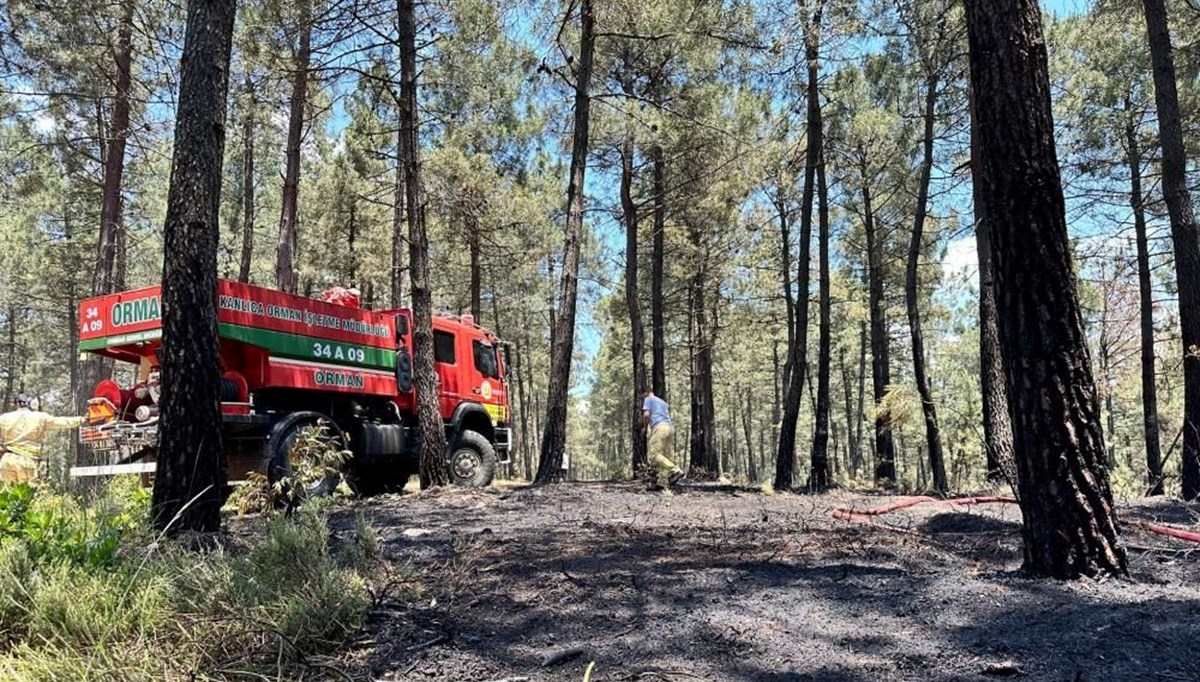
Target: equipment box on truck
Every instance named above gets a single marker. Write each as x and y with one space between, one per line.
294 369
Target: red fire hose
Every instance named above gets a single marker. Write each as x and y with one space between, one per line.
863 516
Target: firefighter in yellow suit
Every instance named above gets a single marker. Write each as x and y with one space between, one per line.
22 432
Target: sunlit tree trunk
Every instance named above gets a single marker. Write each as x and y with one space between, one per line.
555 429
1069 523
1184 235
434 470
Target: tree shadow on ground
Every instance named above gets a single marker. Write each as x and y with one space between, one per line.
749 601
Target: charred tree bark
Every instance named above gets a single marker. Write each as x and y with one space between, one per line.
1146 308
433 469
881 370
1184 235
285 267
632 303
248 204
189 484
933 439
1069 523
555 435
657 259
997 423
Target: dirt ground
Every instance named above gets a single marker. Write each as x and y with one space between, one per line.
726 584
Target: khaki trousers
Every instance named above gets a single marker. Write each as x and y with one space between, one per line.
659 448
16 468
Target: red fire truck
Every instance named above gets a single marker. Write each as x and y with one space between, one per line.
294 365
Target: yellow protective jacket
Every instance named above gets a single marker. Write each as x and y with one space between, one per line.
23 431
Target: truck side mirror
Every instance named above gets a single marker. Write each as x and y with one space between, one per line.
401 327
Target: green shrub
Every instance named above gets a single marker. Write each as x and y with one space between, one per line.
86 595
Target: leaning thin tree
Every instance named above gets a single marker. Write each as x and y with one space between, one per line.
434 469
190 480
554 435
1069 523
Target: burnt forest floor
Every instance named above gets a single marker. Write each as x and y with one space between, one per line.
720 583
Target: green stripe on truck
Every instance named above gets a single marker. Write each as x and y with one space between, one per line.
311 348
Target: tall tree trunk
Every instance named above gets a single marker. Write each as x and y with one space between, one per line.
881 371
1183 234
785 459
704 458
747 415
10 365
933 440
1108 381
189 484
785 261
399 236
433 468
474 249
1069 523
819 477
523 411
632 304
248 204
848 404
285 266
105 279
657 259
997 424
1145 291
555 435
860 413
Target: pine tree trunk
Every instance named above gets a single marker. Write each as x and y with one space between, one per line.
285 267
704 458
474 249
106 280
399 235
1183 234
554 438
933 440
1145 291
248 204
881 371
819 477
785 458
747 415
189 484
997 425
434 470
632 304
657 259
10 365
1069 523
785 261
860 414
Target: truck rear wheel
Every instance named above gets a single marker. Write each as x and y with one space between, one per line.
304 457
473 461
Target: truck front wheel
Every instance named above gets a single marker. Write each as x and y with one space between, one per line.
473 461
305 453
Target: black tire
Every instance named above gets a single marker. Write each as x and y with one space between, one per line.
472 461
379 479
278 451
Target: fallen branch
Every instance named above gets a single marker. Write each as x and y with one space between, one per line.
433 642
